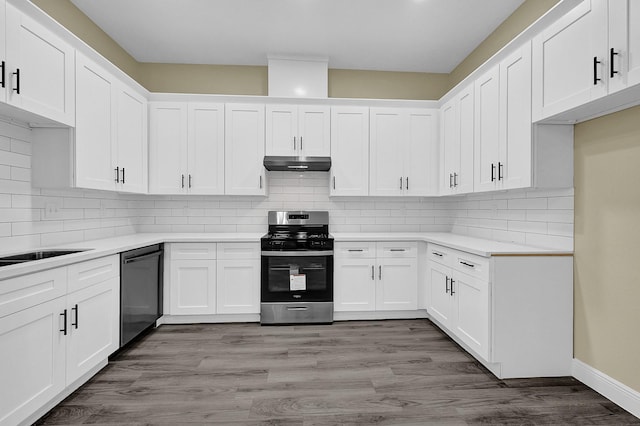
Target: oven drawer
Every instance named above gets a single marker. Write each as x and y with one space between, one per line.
192 251
404 249
355 250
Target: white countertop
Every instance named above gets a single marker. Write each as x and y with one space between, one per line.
109 246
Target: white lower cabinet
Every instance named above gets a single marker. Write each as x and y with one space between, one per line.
193 287
238 278
48 346
513 313
371 276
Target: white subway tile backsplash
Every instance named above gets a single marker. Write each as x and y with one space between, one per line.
5 171
561 203
528 203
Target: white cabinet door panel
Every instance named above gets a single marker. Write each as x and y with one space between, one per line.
397 286
238 286
463 182
205 149
421 165
314 129
131 140
471 296
244 150
193 287
167 147
349 151
387 145
487 130
281 129
441 305
3 51
354 285
624 39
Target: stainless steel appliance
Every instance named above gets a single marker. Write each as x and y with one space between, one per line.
297 269
140 290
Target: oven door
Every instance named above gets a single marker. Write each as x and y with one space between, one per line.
297 276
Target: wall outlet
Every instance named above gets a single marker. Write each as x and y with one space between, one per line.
51 211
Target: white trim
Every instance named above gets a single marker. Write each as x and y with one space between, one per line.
607 386
378 315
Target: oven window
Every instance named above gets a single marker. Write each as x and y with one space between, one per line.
305 277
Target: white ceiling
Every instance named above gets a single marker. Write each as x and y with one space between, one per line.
392 35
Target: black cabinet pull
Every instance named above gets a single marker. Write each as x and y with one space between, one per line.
380 272
493 172
182 181
401 183
455 180
17 88
437 254
450 180
334 182
2 83
467 264
500 166
373 273
452 292
612 53
407 183
300 143
189 180
446 285
75 324
350 250
123 175
595 70
117 169
260 181
64 318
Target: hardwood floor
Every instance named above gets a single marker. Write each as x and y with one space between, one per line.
404 372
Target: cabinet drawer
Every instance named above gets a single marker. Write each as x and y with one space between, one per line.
238 250
85 274
29 290
356 250
397 249
470 264
193 251
442 255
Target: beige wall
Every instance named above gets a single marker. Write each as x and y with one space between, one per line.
607 245
524 16
386 84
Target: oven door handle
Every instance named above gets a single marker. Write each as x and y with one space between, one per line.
309 253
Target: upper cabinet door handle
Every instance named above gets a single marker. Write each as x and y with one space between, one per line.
595 70
493 172
294 143
17 88
612 53
2 83
300 143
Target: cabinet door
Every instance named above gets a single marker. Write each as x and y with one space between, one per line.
397 286
624 40
3 53
40 69
450 146
463 182
131 141
441 304
487 130
167 147
238 286
387 147
349 151
244 150
206 149
515 120
570 56
471 299
94 165
354 285
421 155
193 287
32 359
94 319
282 130
315 131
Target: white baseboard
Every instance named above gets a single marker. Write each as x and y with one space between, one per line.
619 393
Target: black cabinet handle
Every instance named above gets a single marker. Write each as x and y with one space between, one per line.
612 53
455 180
182 181
2 83
373 273
437 254
334 182
407 183
450 180
123 175
75 324
350 250
260 181
467 264
380 272
117 169
493 172
401 183
452 292
446 285
500 166
64 318
595 70
189 180
300 143
17 88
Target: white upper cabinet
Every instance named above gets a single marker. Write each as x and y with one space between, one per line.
624 44
39 71
110 133
349 151
456 137
503 131
403 149
244 149
293 130
186 148
571 60
3 54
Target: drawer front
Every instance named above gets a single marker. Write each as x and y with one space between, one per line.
238 250
192 251
389 249
85 274
442 255
355 250
472 265
29 290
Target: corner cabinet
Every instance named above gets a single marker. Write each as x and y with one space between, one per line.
293 130
186 148
244 150
38 69
403 149
349 174
513 313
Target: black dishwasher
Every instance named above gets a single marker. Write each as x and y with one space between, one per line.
140 290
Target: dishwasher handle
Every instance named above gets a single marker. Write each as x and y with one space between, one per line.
143 257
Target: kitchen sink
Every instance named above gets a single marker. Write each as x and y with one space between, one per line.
34 255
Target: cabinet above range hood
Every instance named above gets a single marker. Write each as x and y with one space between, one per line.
297 164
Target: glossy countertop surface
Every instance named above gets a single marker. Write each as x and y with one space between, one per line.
110 246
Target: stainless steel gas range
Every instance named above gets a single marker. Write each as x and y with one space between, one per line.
297 269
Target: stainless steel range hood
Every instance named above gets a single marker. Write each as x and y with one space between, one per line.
297 164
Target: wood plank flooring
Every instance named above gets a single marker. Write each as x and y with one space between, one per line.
401 372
